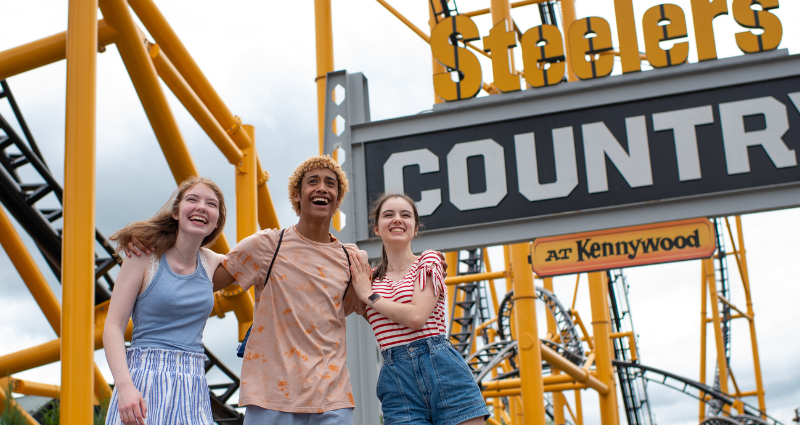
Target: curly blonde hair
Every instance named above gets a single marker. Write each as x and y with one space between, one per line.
316 163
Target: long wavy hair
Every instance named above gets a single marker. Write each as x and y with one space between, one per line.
374 213
161 230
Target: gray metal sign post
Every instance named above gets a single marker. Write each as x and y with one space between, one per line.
362 350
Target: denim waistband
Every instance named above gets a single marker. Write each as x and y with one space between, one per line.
416 348
157 359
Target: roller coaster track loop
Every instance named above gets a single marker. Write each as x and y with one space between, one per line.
569 344
697 390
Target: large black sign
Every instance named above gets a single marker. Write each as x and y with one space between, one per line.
676 146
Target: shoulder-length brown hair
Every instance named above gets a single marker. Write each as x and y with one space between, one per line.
374 214
161 230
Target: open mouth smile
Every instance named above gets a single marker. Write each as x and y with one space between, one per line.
320 201
198 219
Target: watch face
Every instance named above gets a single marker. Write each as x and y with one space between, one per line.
374 297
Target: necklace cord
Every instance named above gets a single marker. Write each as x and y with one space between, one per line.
179 253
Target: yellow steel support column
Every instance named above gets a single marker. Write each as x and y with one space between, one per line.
40 289
266 211
492 288
601 328
178 85
451 258
43 52
168 40
703 331
558 396
31 388
715 316
30 273
246 207
567 18
530 356
578 408
324 42
77 271
762 405
145 80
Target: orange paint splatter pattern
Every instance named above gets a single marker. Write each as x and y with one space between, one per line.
299 354
284 388
302 308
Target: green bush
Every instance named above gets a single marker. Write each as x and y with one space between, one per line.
10 415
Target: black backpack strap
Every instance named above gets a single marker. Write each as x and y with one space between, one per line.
346 254
240 350
274 256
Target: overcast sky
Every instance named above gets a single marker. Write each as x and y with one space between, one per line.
260 57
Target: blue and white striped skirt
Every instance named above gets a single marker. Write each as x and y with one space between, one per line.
172 383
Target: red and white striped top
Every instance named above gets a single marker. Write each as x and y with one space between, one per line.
426 270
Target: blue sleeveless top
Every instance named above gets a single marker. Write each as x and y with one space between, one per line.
172 311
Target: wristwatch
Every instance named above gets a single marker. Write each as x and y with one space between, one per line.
372 298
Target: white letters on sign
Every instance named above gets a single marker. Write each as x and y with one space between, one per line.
634 164
528 166
393 176
494 163
731 116
682 123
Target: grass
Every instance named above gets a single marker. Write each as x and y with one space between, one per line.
11 415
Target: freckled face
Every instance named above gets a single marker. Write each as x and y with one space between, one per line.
198 212
396 223
319 194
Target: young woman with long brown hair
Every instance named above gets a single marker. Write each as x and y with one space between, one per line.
160 379
423 379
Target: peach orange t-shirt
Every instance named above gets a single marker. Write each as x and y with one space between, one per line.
295 358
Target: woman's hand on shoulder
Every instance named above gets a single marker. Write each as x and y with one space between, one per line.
136 247
361 273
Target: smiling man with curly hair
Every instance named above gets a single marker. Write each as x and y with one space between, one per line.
294 368
316 163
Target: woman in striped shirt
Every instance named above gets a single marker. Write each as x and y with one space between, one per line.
423 379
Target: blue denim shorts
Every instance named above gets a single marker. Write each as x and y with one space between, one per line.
255 415
427 382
